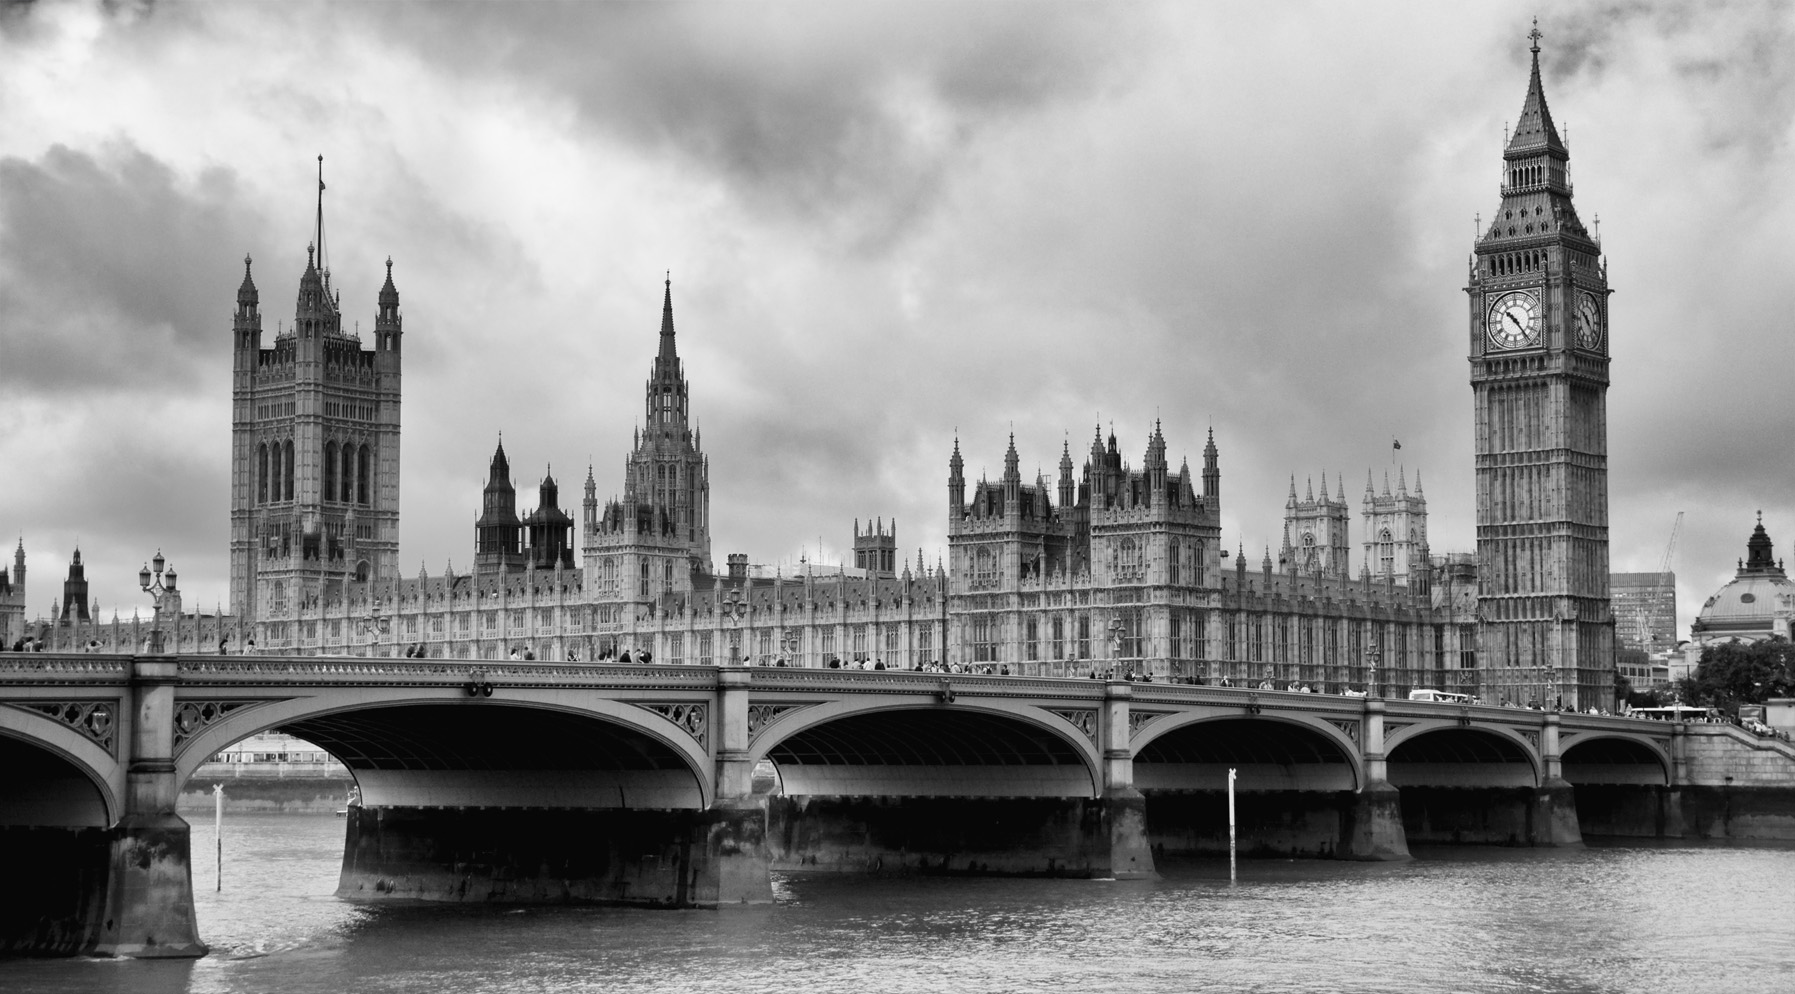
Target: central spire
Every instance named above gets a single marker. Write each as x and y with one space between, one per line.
666 406
668 353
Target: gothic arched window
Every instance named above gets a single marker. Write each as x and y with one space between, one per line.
262 473
330 471
1125 560
984 570
1386 552
347 476
286 473
364 468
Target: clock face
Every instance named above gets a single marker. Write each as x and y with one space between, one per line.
1514 320
1589 322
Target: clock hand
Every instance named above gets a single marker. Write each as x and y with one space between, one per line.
1511 320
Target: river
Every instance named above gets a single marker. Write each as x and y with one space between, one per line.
1659 918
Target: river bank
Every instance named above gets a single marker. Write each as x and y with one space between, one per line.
288 795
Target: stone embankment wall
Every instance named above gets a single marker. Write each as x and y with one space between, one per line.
1723 755
1735 786
286 795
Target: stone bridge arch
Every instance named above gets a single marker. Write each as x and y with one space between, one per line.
56 775
1269 751
1438 752
1614 757
595 752
886 748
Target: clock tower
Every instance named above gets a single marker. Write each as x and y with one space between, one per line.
1539 344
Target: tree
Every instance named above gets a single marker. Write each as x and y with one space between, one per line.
1735 673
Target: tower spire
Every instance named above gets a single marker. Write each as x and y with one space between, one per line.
668 351
1534 130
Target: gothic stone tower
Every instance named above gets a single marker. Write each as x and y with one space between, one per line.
1315 531
875 549
657 535
314 447
1538 299
1395 528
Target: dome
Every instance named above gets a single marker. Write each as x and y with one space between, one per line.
1755 604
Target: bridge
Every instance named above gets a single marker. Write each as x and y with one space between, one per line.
685 786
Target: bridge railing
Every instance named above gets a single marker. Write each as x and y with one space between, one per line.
374 670
62 668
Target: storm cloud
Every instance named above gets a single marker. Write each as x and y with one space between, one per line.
888 226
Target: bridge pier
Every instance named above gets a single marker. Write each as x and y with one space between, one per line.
1553 818
1372 828
734 868
149 893
1124 808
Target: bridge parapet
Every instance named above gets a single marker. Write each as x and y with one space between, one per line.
25 668
354 670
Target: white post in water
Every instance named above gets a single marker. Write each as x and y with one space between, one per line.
1231 866
218 829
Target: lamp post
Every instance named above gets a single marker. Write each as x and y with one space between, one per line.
1116 628
161 588
374 626
736 610
789 639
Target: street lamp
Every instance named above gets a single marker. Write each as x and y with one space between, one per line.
161 588
1116 628
374 626
736 610
789 639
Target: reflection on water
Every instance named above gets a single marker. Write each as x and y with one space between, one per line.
1605 918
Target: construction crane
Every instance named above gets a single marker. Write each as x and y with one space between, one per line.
1658 587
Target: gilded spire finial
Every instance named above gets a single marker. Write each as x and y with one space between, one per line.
1535 35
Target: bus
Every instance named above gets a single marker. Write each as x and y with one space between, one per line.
1675 712
1441 696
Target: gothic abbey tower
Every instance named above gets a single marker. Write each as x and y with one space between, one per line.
314 445
1538 299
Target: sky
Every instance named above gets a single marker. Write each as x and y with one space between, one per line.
887 226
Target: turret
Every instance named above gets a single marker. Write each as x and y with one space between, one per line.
956 484
1067 486
246 323
1212 474
387 321
1154 465
1012 479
